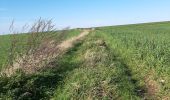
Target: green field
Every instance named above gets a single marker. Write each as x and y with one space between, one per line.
128 62
145 49
5 44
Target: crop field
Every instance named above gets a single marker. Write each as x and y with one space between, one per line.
145 49
5 43
128 62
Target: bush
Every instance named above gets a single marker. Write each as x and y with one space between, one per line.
34 87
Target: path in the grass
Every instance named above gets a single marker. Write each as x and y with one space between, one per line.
35 62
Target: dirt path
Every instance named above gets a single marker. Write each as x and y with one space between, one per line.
35 62
70 42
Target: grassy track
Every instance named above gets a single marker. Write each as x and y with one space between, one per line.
99 75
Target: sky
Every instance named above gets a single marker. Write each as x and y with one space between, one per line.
82 13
